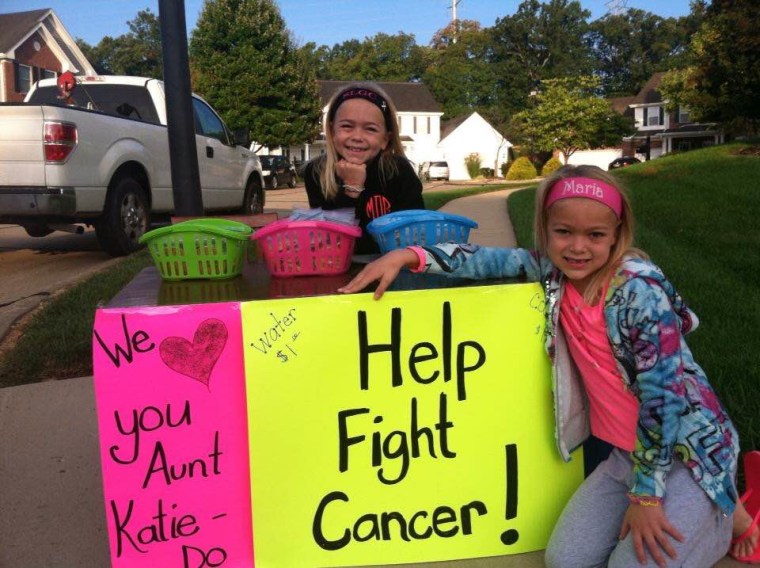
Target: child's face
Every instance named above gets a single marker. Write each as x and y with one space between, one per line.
359 131
581 233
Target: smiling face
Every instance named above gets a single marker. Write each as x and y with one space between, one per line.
358 131
581 233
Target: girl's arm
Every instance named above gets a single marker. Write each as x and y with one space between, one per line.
457 260
313 187
651 332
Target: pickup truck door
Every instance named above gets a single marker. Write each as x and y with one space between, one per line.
220 162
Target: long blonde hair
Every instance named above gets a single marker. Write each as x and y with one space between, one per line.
324 166
625 231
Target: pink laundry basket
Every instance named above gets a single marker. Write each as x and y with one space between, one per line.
303 248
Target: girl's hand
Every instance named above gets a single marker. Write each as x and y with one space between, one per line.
351 173
385 269
650 531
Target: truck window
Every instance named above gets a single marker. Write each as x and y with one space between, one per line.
208 124
128 101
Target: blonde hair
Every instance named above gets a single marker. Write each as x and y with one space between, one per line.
625 231
324 166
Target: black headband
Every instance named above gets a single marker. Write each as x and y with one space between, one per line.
367 95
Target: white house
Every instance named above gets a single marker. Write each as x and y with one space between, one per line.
472 134
423 136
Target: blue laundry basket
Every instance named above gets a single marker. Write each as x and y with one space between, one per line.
419 227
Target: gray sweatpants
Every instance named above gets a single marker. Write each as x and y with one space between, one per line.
586 534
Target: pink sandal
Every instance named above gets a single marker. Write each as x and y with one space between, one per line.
751 500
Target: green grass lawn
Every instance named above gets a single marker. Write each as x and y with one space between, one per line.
697 215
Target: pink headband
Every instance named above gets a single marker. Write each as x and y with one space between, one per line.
589 188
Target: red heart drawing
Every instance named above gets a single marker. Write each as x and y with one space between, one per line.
197 359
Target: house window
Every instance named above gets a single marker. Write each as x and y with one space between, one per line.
683 115
415 125
429 131
654 116
23 78
48 74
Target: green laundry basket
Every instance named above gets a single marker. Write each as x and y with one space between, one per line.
199 249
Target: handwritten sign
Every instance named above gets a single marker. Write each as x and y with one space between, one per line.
416 428
173 439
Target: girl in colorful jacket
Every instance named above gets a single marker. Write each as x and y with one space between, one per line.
622 372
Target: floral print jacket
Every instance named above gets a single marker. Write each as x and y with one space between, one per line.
680 416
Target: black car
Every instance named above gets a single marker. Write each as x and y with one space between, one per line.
623 162
277 171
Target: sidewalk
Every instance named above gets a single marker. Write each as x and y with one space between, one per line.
52 513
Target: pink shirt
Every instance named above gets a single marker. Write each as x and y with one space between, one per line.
613 409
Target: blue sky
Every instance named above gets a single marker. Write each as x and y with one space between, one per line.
320 21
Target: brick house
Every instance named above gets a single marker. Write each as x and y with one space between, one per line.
35 45
662 130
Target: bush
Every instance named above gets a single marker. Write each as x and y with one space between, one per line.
486 172
522 168
472 162
551 166
505 168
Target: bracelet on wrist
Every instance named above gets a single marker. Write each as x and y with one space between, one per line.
352 188
645 500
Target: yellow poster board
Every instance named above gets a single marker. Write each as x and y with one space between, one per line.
414 428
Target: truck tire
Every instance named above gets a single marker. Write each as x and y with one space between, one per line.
292 180
124 219
253 202
37 230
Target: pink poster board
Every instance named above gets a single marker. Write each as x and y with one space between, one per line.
173 436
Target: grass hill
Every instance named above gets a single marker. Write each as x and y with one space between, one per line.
697 216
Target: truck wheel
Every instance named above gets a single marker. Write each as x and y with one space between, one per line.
124 219
253 203
37 230
292 182
274 184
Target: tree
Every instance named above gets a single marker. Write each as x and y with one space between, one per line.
459 74
628 48
382 57
723 82
243 61
569 116
137 52
540 41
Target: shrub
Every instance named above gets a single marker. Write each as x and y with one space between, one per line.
550 166
522 168
472 162
486 172
505 168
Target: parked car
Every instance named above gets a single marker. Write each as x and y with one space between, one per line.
623 162
100 157
277 171
435 170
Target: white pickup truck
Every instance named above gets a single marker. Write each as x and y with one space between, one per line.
101 157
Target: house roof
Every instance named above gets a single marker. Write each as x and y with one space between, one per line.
621 104
408 97
449 126
649 93
14 27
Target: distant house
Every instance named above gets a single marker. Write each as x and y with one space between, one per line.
35 45
423 136
472 134
660 131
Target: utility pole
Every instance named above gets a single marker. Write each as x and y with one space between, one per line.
455 24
